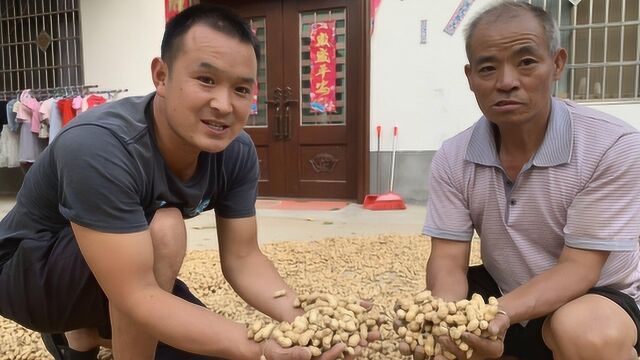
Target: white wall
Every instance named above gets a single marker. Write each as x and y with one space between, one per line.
119 40
422 87
627 112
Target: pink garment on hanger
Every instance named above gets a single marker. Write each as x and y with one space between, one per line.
45 108
77 104
33 107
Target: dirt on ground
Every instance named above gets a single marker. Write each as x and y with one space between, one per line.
382 268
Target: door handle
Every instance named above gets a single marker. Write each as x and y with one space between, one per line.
288 92
277 102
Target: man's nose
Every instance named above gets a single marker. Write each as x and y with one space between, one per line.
221 101
508 79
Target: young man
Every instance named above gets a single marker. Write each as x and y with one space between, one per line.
552 189
97 236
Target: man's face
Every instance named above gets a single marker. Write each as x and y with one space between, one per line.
208 89
511 71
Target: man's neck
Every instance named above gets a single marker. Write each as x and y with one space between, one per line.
516 145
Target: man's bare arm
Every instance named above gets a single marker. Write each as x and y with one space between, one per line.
250 273
447 268
123 266
576 272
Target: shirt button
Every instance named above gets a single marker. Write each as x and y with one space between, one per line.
513 202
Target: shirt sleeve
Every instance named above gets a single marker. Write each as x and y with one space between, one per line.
605 214
241 174
98 181
448 214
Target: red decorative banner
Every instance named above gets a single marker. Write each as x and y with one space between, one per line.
323 67
173 7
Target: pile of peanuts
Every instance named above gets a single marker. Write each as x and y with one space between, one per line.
423 318
327 321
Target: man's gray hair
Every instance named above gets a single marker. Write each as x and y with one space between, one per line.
510 8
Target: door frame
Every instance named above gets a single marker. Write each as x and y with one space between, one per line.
362 125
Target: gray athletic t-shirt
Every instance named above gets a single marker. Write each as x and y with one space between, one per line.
105 172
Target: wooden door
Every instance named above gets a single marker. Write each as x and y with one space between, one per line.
304 153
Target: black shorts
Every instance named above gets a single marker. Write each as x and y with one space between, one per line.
525 342
47 286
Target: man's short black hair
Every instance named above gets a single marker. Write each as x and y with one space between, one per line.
216 17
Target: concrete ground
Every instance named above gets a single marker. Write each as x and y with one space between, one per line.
301 225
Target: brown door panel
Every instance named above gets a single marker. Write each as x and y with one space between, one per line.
322 161
323 135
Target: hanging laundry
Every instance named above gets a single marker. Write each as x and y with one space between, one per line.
3 115
45 114
95 100
66 110
8 148
55 120
11 116
30 146
76 104
31 106
27 125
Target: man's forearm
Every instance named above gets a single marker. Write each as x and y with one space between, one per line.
546 292
446 280
193 328
255 279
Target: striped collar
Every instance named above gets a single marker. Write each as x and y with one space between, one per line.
554 150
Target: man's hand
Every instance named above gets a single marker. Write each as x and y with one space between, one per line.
483 348
274 352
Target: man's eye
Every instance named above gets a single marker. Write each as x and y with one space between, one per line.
527 62
486 69
206 80
243 90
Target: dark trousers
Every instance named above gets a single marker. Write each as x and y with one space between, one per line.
525 342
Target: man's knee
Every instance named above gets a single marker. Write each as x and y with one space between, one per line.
169 237
582 330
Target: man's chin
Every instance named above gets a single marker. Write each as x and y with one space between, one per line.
215 148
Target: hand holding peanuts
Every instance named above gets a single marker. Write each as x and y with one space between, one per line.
483 348
329 328
429 326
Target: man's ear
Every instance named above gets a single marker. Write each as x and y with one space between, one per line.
467 72
159 74
559 61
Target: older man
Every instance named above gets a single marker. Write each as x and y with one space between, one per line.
553 190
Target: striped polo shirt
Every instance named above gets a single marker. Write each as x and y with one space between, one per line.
580 189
